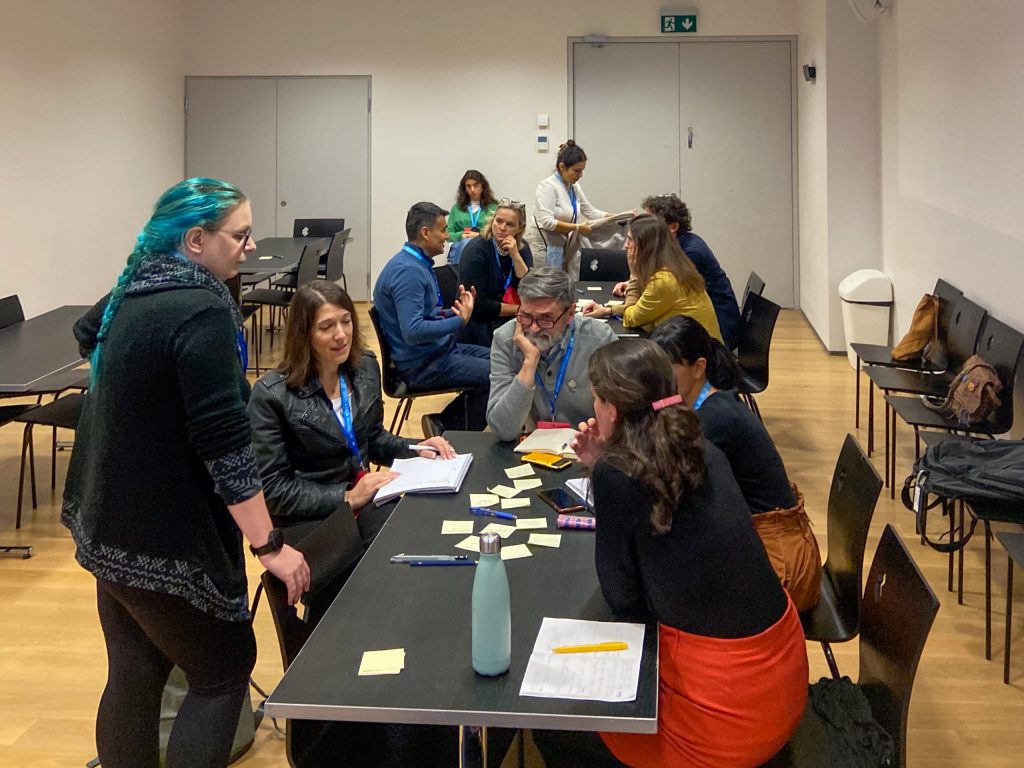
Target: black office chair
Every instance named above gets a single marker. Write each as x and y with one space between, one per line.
851 505
316 227
448 282
898 611
334 269
754 285
603 265
759 316
280 299
393 385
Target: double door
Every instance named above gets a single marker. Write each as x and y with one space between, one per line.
711 121
298 147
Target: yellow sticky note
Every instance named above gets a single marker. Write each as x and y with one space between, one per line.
616 303
545 539
523 470
525 485
531 522
387 662
482 499
514 503
504 491
515 552
594 288
457 526
470 544
502 530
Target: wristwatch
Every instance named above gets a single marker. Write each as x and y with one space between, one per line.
275 540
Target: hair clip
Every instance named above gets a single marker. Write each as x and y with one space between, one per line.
665 402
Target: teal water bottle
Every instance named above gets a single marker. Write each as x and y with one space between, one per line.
492 614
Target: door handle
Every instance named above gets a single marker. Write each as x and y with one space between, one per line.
689 137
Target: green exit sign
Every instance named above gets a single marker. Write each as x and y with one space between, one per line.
679 22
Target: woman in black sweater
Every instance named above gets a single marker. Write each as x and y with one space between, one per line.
162 484
706 374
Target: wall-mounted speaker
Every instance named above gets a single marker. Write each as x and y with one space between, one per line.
869 10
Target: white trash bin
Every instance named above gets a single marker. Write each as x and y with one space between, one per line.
867 309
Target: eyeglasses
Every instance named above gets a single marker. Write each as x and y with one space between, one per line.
242 238
508 202
542 322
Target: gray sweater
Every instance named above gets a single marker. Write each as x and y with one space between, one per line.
513 408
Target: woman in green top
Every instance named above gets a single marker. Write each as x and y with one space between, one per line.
474 206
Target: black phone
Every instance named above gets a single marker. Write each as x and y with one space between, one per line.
560 500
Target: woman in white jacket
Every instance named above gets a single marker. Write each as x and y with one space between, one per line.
561 206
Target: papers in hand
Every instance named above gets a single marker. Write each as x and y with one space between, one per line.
596 676
425 475
554 441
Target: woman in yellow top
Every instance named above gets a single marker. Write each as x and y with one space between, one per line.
663 282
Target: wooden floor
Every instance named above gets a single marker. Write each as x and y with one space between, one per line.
52 663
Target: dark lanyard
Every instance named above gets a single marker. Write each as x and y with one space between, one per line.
571 190
242 349
702 395
430 265
561 375
511 269
345 420
473 218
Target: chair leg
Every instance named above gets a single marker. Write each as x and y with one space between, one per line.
887 478
1009 618
53 460
988 592
32 466
960 562
892 457
871 418
856 402
947 508
394 419
833 667
405 415
21 475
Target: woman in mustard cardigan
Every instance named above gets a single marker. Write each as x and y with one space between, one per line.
663 282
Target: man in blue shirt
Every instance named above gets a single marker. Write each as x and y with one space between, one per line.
422 332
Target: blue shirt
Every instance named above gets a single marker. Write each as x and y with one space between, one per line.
717 284
406 301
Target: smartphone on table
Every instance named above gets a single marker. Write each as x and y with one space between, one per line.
560 500
547 460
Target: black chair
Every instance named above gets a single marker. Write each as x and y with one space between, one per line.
754 285
448 282
759 316
277 298
9 413
851 505
62 413
1000 346
334 269
316 227
393 385
603 265
898 611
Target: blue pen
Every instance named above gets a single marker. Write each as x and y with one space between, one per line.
415 563
491 513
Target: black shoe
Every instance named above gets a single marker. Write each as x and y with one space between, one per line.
432 425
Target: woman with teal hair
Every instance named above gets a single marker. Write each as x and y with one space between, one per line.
163 484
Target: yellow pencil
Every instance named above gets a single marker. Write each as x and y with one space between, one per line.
592 648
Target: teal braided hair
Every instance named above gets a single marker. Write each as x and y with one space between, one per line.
196 202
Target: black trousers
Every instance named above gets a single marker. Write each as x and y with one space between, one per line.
147 633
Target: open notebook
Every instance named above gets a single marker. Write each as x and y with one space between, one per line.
425 475
549 441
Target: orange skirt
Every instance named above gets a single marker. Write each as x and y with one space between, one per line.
722 703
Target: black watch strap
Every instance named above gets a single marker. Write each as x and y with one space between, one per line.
275 540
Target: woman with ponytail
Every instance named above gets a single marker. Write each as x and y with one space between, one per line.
705 373
163 484
675 545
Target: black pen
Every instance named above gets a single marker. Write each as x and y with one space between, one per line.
415 563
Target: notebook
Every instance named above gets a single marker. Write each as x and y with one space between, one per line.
554 441
425 475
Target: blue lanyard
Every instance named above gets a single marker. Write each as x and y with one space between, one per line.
571 190
430 265
243 350
473 217
561 374
702 395
497 260
345 420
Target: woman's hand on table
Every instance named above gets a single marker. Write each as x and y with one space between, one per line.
588 442
591 308
361 493
442 448
620 288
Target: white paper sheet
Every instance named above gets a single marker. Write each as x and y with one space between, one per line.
607 676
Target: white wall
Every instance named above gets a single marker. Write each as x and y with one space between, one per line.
91 133
455 86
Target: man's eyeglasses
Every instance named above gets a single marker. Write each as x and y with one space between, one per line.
543 323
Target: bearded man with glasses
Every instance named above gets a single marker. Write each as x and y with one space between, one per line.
539 362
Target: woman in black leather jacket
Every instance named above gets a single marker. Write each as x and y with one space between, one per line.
314 441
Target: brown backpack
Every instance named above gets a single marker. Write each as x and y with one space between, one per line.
973 393
923 333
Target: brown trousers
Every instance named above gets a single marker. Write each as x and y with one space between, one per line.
793 551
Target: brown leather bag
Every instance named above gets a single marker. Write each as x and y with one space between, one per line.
973 393
923 333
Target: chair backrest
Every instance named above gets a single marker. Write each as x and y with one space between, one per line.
11 311
316 227
948 295
292 631
389 374
603 265
759 316
336 256
1000 345
448 280
309 261
964 325
898 610
754 285
851 505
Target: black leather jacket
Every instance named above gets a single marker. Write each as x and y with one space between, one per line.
300 449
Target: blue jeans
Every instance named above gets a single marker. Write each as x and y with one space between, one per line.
460 365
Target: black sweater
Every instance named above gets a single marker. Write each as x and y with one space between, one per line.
709 575
478 268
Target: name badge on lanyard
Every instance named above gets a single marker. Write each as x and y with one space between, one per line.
497 261
474 216
430 265
702 395
346 423
553 398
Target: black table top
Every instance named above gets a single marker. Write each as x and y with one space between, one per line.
284 253
36 348
426 611
584 290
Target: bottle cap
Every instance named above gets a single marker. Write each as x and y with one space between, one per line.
490 544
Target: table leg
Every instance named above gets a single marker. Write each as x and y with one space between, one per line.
472 746
856 397
1009 617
